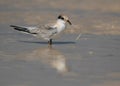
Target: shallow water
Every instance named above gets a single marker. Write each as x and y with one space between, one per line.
93 60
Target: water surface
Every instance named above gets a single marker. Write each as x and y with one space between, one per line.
93 60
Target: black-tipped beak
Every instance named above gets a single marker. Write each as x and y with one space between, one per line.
69 22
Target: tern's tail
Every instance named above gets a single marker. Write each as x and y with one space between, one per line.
19 28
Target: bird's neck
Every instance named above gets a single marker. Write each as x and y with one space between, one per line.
60 25
60 21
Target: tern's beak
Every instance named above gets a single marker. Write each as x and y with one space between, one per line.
69 22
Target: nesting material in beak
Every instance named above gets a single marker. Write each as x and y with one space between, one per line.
69 22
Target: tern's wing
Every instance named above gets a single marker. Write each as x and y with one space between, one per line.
49 26
45 31
31 30
48 29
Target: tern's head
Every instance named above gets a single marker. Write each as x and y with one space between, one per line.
64 18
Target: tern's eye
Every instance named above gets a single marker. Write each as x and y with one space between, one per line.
62 18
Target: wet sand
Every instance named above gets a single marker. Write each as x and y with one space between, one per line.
93 60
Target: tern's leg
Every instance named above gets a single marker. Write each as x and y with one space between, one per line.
50 42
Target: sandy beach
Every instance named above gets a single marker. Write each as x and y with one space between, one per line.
93 60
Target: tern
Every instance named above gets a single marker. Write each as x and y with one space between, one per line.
46 31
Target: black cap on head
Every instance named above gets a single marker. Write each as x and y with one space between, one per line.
65 18
60 17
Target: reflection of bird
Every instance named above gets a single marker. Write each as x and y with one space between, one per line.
49 56
47 31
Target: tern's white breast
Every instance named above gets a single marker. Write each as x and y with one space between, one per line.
60 25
